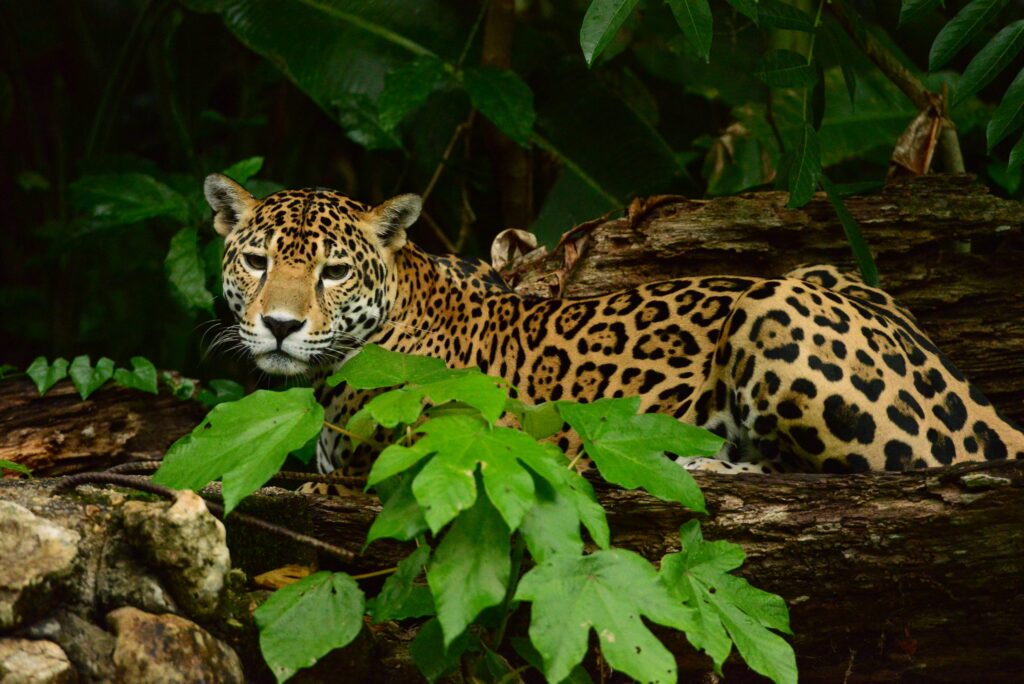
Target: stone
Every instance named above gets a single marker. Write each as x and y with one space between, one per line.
89 648
187 544
26 661
34 554
169 649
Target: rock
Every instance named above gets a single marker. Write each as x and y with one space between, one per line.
34 552
89 648
168 649
24 661
187 543
124 580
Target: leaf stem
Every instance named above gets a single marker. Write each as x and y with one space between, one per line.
375 573
473 31
369 441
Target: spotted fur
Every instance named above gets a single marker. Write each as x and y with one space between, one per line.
813 371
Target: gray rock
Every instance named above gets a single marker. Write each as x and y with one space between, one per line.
34 553
89 648
24 661
168 649
187 544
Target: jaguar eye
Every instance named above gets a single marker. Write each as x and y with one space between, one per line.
256 262
335 271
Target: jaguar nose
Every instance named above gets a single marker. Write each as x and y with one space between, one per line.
281 327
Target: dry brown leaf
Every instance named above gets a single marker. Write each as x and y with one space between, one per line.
282 577
511 245
916 146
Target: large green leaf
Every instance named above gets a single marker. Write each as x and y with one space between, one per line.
804 165
122 198
992 59
694 18
406 88
470 569
629 449
960 29
401 597
786 69
375 367
244 443
861 252
186 273
1009 115
726 604
504 99
608 592
602 21
303 622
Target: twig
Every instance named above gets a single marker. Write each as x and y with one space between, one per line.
446 155
369 441
145 485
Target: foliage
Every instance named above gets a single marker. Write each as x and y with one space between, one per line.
480 499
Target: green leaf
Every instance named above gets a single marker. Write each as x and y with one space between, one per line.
447 485
401 597
1009 115
991 60
1016 157
724 603
359 116
602 21
861 252
45 375
960 29
552 525
747 8
87 379
607 591
504 98
142 376
786 69
912 10
375 367
122 198
406 88
804 167
470 569
186 273
242 171
244 443
466 385
778 15
303 622
629 449
402 516
833 43
219 392
694 18
539 421
7 370
14 467
181 387
430 654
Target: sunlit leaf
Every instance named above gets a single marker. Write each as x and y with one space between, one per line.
142 376
87 379
14 468
960 29
991 60
304 621
46 375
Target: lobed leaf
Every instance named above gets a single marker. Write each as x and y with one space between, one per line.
629 449
727 608
87 379
470 569
142 376
243 443
537 420
694 18
375 367
46 375
602 21
960 29
401 597
402 516
430 653
991 60
331 603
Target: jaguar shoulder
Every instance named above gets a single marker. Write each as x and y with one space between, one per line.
812 371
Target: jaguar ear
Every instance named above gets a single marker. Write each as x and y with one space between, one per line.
229 200
391 219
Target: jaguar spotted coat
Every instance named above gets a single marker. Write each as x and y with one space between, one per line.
813 371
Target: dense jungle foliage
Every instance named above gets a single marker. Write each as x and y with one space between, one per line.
530 113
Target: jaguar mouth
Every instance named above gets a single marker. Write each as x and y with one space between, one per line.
278 362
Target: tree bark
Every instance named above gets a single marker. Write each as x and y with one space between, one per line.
945 248
60 433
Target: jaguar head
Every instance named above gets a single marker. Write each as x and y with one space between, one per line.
306 271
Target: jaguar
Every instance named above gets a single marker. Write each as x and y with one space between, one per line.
812 371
